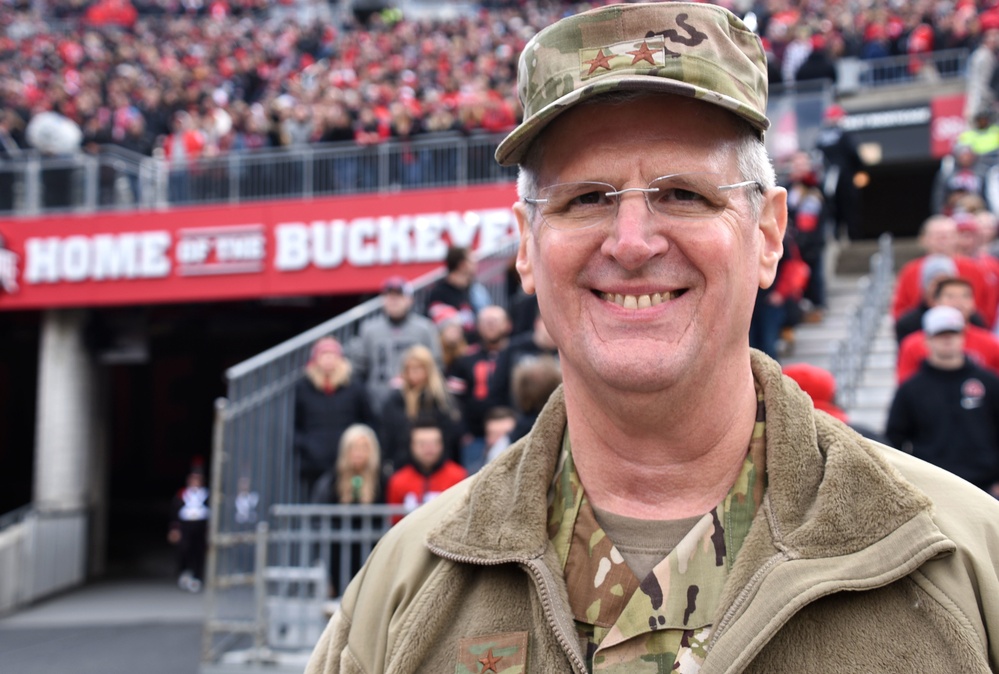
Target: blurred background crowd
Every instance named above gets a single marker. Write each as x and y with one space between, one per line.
207 77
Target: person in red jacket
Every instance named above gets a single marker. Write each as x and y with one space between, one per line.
428 474
939 237
979 344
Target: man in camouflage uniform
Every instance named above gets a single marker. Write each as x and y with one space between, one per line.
679 505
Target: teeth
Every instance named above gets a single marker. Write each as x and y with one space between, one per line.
638 301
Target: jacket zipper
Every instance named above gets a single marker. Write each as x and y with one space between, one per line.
542 577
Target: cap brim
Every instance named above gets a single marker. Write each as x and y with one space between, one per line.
512 149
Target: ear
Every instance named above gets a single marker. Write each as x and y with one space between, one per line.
525 266
773 223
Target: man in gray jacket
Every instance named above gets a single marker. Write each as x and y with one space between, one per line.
377 350
679 505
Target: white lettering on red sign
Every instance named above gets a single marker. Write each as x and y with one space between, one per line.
387 240
104 257
230 249
8 270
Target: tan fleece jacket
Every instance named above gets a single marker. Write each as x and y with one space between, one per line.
861 559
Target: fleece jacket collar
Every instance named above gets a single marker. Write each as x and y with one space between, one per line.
831 500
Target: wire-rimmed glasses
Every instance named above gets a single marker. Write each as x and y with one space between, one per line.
679 196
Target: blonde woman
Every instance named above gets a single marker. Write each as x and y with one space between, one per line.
356 478
421 393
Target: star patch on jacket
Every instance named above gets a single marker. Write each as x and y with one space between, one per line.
492 654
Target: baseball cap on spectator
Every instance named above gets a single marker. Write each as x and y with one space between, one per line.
325 345
935 266
989 20
397 284
834 113
611 49
942 319
444 314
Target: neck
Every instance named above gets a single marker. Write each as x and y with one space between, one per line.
675 453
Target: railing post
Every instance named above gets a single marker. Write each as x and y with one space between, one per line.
217 499
235 164
260 589
33 186
91 182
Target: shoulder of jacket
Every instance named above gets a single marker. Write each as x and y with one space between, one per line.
962 511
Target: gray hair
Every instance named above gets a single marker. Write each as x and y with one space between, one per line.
752 159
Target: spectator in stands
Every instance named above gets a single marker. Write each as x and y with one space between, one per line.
327 402
806 217
934 269
818 65
938 236
528 345
981 96
982 136
535 378
454 290
428 471
185 145
451 335
469 379
960 174
421 393
975 233
844 174
778 308
499 423
376 352
980 344
948 412
11 140
355 479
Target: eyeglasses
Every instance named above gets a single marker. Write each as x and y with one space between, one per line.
681 196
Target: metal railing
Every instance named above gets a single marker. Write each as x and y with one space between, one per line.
116 179
926 68
850 356
40 553
254 468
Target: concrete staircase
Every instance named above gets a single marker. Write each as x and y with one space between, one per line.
816 343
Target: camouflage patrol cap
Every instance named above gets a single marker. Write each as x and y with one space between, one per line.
684 48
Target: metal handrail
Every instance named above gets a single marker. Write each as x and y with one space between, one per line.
850 356
15 516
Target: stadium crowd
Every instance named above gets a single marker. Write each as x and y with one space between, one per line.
205 77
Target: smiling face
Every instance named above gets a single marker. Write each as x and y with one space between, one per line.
643 301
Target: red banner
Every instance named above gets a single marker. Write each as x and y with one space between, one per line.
947 123
330 246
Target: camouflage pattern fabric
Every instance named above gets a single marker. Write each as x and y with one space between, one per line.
689 49
661 623
497 653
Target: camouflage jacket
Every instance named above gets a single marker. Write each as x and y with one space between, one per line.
859 559
660 623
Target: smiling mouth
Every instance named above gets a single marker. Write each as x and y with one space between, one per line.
640 301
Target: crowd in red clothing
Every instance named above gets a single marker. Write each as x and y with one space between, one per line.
251 74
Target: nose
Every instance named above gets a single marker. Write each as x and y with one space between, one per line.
634 236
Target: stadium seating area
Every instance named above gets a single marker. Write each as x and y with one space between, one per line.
206 77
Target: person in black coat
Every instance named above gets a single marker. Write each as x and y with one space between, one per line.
948 412
327 401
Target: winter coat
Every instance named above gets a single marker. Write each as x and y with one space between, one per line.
320 420
860 559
